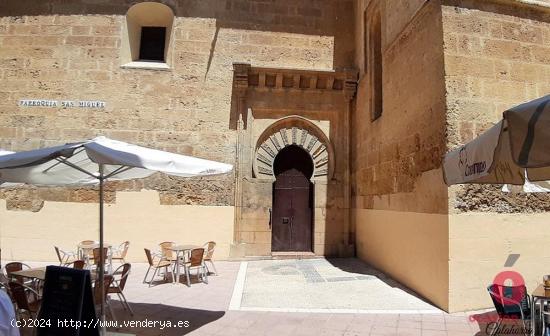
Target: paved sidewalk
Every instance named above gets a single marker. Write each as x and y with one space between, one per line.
206 308
344 285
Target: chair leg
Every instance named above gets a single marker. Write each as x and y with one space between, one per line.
186 269
166 273
496 327
543 318
145 277
205 274
153 277
213 266
527 331
126 303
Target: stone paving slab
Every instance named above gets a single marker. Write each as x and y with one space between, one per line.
206 308
314 285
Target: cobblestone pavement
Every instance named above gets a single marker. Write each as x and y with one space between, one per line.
206 306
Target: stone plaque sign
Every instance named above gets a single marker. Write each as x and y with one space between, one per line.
62 103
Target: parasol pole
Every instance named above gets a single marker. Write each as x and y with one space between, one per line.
101 263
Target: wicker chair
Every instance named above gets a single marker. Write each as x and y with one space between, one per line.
97 258
86 253
120 252
156 265
208 253
79 264
26 299
166 251
119 283
107 281
511 302
15 267
196 260
65 257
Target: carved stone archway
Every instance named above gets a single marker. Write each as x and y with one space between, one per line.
293 130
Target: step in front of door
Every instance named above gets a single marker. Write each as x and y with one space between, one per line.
294 255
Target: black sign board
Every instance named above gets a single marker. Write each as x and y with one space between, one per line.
68 303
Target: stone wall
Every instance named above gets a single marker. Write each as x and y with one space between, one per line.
72 50
393 152
496 56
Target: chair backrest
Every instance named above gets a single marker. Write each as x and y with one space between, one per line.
499 294
165 248
124 271
97 256
209 247
196 257
89 252
19 295
149 258
107 281
14 267
79 264
124 249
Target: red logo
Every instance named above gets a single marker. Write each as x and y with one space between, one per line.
516 280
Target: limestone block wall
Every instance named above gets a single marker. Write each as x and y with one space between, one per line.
72 50
400 199
496 56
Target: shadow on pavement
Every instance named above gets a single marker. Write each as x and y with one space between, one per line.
159 319
155 320
487 322
357 266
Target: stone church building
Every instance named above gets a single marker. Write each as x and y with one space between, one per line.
335 114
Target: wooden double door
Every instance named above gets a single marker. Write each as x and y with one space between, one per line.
292 217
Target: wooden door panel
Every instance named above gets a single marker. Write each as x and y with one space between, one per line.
281 219
301 220
292 212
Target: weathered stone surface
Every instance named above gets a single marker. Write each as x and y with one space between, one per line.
71 51
393 152
490 198
500 61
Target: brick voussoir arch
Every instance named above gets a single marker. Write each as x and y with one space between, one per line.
293 130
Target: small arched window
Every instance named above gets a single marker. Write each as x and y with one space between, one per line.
146 42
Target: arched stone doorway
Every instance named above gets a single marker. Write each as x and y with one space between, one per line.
298 131
293 195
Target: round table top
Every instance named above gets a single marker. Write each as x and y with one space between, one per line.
183 247
92 246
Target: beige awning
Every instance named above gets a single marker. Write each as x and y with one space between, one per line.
517 146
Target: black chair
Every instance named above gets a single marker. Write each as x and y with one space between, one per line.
511 303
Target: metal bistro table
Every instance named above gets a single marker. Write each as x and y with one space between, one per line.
542 295
84 250
181 249
38 273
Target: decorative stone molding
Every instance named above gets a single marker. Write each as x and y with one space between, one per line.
278 78
293 130
250 82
